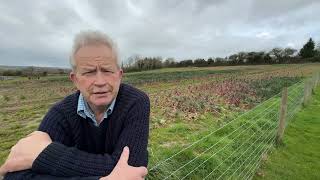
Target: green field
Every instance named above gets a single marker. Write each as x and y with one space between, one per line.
298 157
204 117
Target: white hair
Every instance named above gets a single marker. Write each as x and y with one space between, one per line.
85 38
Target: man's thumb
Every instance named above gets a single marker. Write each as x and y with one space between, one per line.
124 155
2 171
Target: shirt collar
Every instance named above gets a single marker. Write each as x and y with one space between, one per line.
84 110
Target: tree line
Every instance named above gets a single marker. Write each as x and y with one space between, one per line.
308 53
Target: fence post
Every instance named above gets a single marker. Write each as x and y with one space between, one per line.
283 114
317 75
314 83
310 90
307 93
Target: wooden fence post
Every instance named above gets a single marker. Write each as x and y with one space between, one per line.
283 115
317 80
306 95
314 83
310 90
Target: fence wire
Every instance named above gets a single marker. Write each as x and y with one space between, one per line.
235 149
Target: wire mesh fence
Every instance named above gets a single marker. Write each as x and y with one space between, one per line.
236 148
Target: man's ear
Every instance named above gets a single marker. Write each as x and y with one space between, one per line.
73 77
120 73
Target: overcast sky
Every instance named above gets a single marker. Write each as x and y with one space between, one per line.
40 33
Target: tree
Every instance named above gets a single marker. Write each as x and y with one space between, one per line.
242 57
308 50
12 73
61 71
233 59
219 61
169 62
132 60
288 52
185 63
255 57
210 61
267 59
200 62
277 53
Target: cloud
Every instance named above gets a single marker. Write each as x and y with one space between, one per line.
41 33
264 35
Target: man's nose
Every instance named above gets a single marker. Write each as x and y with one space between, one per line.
100 80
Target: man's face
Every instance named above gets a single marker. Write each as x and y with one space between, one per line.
97 75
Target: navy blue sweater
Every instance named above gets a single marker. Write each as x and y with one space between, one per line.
80 149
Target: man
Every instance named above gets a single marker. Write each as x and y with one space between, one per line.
84 135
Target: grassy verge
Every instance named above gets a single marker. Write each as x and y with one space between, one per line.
299 157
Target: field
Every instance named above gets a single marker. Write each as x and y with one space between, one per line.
187 105
299 157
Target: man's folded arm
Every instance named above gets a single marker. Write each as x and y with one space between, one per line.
60 160
30 175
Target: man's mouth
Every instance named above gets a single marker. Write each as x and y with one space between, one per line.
101 92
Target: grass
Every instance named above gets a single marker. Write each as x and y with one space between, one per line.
231 151
229 147
299 156
173 129
144 77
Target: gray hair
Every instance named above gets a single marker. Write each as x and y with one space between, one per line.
85 38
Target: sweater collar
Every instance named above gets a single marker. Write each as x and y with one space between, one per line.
85 111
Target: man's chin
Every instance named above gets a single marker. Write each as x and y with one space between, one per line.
101 102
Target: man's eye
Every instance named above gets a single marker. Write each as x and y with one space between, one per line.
107 71
89 72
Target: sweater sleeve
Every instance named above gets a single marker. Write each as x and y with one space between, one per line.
63 161
30 175
136 133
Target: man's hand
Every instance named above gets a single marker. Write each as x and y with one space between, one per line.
23 154
123 171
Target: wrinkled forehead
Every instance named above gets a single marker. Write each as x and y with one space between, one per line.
95 55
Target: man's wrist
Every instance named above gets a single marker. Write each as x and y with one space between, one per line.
50 155
44 145
105 178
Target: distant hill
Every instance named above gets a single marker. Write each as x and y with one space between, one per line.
34 69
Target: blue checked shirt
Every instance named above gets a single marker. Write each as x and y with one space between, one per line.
84 110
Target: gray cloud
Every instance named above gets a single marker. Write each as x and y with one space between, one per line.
41 33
